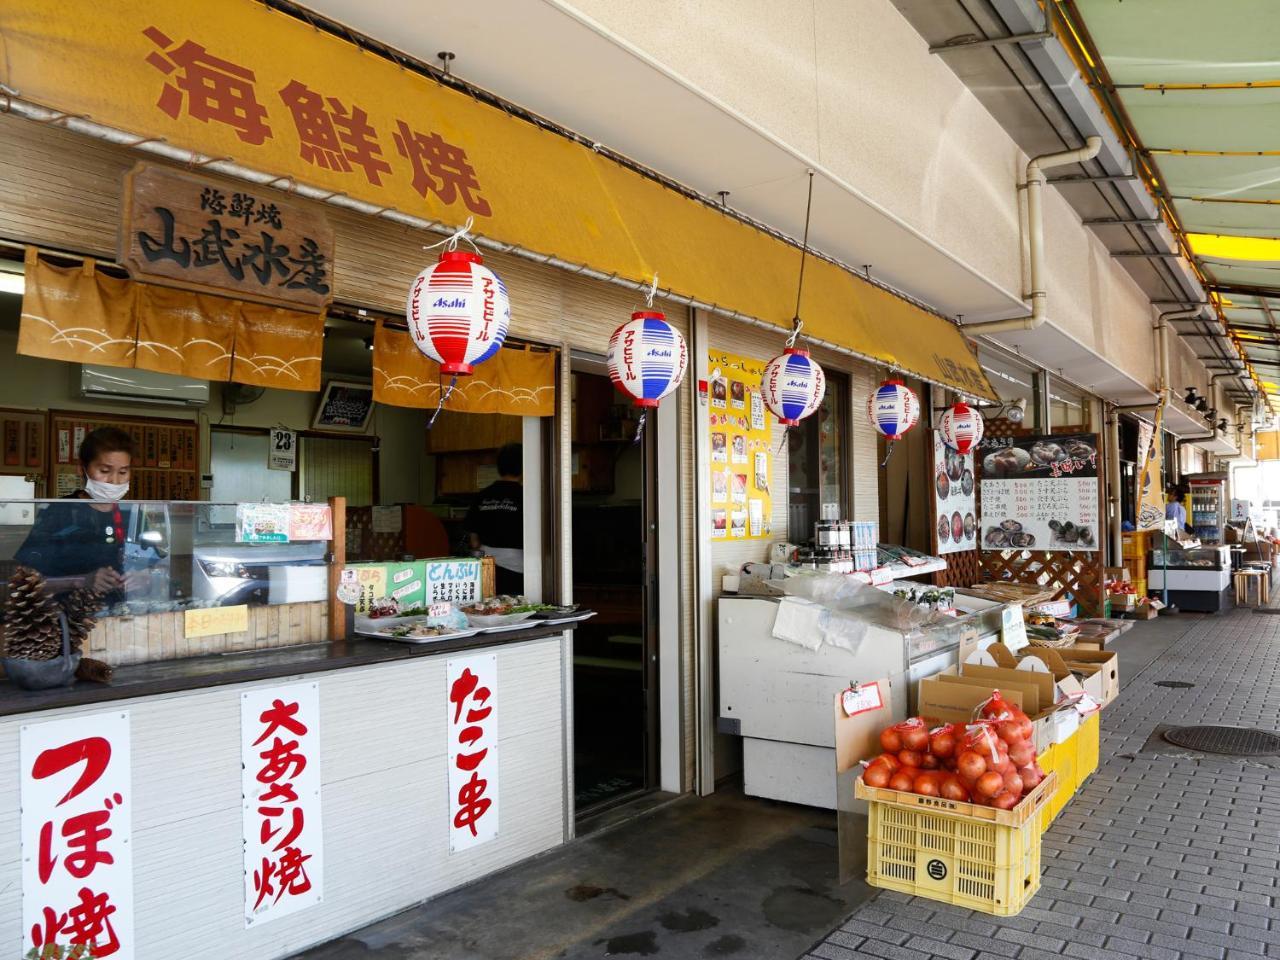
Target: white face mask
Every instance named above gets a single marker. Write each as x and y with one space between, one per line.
110 492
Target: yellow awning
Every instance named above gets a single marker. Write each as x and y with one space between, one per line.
237 80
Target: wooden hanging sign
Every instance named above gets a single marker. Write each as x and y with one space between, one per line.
200 233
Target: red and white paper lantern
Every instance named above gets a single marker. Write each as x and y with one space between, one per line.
961 427
647 358
458 312
893 409
792 386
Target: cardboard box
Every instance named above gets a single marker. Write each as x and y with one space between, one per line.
950 702
1108 665
1087 674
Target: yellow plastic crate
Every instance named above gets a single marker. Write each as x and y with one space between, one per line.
1088 744
959 853
1060 759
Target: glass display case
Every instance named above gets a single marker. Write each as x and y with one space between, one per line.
1177 557
142 557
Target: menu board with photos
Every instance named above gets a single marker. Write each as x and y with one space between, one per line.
24 446
1040 493
166 464
741 430
955 502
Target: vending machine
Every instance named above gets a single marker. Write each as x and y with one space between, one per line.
1209 505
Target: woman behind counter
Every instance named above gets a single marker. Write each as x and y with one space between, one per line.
80 542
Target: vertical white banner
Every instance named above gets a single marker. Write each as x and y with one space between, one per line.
283 837
471 688
77 863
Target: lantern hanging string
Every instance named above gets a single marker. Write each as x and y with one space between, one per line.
445 394
651 292
804 255
450 243
644 414
888 452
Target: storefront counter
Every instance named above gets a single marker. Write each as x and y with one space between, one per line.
383 739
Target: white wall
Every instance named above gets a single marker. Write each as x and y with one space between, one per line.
852 86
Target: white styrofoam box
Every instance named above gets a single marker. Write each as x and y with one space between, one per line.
1212 580
791 772
782 691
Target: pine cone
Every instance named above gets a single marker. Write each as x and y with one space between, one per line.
80 606
94 670
32 628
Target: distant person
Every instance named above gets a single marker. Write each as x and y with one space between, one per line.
495 522
1174 510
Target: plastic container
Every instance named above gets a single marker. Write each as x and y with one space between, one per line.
960 853
1088 744
1060 759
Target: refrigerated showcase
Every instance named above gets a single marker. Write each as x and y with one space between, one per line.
1209 506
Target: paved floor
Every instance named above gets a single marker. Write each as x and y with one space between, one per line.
1161 855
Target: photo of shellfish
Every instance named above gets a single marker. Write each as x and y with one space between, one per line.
1008 462
957 527
1045 452
970 526
944 529
1079 450
996 537
955 465
966 483
1022 539
1010 526
1071 535
944 485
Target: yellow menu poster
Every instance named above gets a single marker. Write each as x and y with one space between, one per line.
741 432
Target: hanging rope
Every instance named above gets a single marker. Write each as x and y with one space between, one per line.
445 394
644 415
450 243
796 322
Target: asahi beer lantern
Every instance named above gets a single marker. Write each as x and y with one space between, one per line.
647 358
893 409
458 312
792 386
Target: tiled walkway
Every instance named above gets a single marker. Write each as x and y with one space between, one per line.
1158 856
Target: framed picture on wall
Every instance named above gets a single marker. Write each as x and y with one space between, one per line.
344 406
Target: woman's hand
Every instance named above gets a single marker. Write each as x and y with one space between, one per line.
104 580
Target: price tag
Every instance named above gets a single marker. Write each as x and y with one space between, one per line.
440 609
862 699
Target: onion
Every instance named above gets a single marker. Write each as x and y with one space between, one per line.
904 779
971 766
929 762
1022 753
1028 729
876 775
1010 731
890 740
916 738
1031 776
953 789
889 760
910 758
943 743
927 784
989 784
1013 783
1006 801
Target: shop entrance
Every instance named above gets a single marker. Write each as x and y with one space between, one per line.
615 662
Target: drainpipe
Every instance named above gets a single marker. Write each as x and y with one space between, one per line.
1035 238
1113 482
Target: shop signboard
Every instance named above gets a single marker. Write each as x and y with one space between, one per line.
282 451
200 233
471 685
955 499
280 789
741 430
77 855
451 581
1040 493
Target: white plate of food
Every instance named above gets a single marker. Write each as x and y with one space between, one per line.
420 632
500 612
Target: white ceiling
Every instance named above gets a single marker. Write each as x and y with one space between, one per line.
537 55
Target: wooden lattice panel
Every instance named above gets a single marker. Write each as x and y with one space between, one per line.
963 569
1079 574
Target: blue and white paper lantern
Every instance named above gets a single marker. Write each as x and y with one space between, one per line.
792 386
893 409
647 358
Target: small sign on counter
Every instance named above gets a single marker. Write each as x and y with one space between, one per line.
212 621
1013 628
262 522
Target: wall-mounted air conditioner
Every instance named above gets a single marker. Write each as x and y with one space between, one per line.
121 385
